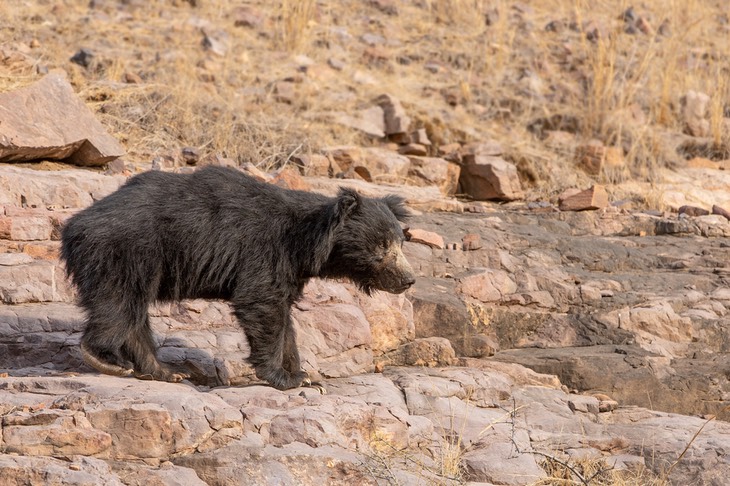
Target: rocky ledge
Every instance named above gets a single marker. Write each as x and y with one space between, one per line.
537 344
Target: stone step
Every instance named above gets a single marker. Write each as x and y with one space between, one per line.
24 280
57 189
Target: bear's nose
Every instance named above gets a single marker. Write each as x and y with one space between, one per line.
408 280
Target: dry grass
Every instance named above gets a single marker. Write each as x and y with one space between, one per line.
465 69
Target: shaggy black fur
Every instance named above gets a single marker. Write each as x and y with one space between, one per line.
220 234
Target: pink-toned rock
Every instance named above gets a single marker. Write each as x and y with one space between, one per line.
434 171
390 318
52 433
24 228
64 188
487 285
289 177
39 281
486 177
141 430
432 351
595 197
427 238
471 241
722 212
46 120
373 164
317 165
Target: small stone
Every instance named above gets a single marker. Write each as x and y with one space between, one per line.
289 177
413 149
215 42
420 137
583 403
217 160
284 92
488 177
190 155
396 120
590 157
644 26
131 78
471 241
693 211
336 64
427 238
722 212
83 57
247 16
695 110
607 405
595 197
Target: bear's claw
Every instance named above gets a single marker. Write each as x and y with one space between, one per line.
308 383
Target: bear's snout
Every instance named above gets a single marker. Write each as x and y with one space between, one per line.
397 275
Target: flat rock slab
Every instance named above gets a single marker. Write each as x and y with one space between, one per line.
46 120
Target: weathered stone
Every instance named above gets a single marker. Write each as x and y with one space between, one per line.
52 433
137 430
485 177
693 211
247 16
284 92
590 157
695 113
419 198
433 351
583 403
380 165
595 197
21 228
64 189
428 238
83 471
434 171
370 121
413 149
396 120
722 212
487 285
471 242
31 127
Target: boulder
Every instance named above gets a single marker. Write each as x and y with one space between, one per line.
46 120
488 177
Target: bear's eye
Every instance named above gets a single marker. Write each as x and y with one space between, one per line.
384 245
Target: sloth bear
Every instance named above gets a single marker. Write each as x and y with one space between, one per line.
220 234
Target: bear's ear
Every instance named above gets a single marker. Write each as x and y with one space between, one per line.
348 201
398 206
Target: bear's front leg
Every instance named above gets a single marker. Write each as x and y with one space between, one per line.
292 362
271 337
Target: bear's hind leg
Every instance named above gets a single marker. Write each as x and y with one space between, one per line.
139 348
101 346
